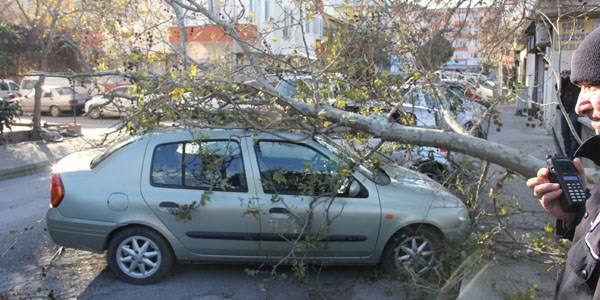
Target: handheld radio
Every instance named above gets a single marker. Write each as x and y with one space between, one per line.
563 172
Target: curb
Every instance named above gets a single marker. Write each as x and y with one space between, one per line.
25 170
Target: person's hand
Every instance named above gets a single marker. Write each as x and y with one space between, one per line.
549 193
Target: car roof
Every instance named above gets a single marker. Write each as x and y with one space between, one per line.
180 133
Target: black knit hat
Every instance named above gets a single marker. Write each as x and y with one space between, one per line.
585 65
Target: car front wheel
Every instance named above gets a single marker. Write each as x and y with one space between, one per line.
139 255
411 250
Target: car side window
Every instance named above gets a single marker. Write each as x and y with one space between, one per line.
215 165
290 168
3 86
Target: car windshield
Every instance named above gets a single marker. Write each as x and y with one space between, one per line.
373 173
112 149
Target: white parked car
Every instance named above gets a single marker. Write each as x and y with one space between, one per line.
9 89
102 106
470 114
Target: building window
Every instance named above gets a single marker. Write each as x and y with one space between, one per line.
213 6
287 23
314 25
317 25
267 7
252 10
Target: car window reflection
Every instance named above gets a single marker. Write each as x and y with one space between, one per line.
214 165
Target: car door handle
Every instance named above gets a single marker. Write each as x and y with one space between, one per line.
168 204
278 210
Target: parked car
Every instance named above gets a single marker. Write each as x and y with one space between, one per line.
101 105
431 161
55 100
9 89
216 195
476 85
470 114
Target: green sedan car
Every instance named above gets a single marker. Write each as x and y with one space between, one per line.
224 195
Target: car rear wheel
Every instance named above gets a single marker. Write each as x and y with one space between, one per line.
54 111
139 255
411 250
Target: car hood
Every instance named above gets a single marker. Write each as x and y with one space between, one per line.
97 100
78 161
401 175
403 178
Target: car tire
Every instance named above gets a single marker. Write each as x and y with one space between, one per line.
95 113
54 111
412 250
139 255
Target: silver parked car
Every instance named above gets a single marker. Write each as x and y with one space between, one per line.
237 196
54 100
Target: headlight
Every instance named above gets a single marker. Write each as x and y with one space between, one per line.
463 215
447 200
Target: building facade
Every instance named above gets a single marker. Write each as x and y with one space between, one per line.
544 49
280 28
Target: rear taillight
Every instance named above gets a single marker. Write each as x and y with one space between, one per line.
57 190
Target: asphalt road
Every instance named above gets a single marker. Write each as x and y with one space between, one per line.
31 266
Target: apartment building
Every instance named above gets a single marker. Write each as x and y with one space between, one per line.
465 23
279 27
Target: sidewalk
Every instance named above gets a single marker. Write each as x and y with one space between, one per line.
25 158
515 273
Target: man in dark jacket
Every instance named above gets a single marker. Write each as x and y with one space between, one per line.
579 277
568 97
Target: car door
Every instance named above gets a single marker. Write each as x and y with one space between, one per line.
295 214
200 192
27 102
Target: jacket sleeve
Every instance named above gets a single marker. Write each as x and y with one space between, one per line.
567 231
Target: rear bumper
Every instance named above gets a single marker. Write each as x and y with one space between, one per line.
77 233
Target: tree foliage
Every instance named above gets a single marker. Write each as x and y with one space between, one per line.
435 52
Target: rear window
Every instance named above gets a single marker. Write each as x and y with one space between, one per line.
112 149
64 91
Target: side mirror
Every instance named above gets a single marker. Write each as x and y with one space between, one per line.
354 189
